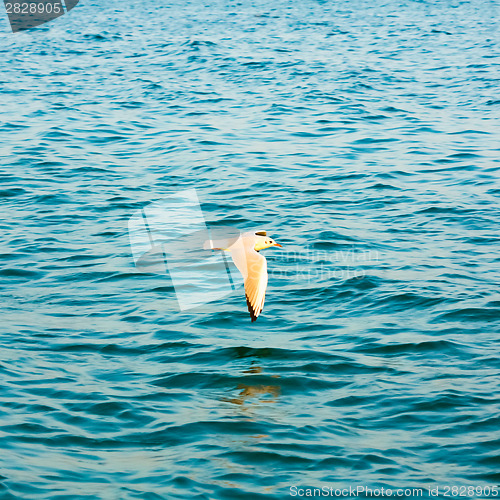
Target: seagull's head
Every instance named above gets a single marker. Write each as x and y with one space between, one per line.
263 241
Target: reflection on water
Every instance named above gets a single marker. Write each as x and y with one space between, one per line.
254 394
264 393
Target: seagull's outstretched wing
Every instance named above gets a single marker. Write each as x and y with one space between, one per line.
253 267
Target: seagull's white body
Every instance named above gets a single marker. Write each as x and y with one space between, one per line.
251 264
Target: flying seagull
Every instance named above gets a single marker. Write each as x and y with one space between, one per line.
251 264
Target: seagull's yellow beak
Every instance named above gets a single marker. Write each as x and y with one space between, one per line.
278 245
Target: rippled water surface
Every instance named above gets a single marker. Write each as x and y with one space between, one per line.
364 136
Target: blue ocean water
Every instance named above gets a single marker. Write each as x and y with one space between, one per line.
364 136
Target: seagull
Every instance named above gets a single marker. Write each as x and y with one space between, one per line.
251 264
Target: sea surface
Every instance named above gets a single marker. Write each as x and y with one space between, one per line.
364 136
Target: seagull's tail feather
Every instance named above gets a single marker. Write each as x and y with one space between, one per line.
213 245
223 244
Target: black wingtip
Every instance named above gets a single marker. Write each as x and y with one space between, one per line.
251 311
